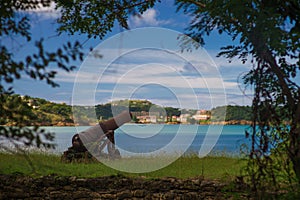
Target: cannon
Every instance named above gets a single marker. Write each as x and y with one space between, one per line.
90 144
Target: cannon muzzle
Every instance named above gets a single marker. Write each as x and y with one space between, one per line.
94 133
116 122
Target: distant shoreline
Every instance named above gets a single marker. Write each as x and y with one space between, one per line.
68 124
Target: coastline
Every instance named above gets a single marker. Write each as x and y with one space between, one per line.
66 124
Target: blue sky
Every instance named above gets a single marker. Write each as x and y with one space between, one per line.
144 63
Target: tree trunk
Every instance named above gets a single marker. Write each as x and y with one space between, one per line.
294 109
294 151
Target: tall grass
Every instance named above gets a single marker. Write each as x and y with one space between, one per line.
184 167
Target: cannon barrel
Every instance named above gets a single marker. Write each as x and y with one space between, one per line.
95 132
116 122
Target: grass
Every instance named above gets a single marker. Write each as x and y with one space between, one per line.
184 167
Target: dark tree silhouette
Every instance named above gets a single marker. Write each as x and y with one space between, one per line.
268 34
94 19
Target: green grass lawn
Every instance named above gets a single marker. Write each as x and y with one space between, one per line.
187 166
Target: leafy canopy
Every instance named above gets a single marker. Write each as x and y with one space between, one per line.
92 18
268 34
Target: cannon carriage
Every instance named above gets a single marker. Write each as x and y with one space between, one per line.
97 142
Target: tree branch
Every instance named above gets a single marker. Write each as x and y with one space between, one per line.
269 58
197 3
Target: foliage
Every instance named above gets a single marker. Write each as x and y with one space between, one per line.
96 19
22 115
267 34
84 115
42 112
91 18
232 113
105 110
170 111
16 23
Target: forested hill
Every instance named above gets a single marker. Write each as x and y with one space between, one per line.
46 113
233 113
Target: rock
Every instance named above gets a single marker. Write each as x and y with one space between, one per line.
80 194
72 178
55 194
19 193
50 189
108 196
169 195
68 188
139 193
114 187
124 194
95 195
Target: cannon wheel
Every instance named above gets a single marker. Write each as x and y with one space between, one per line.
107 140
97 149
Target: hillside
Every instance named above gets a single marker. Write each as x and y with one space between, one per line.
46 113
234 114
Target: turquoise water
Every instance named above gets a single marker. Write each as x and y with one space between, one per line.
132 139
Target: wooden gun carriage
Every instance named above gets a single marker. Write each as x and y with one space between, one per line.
90 144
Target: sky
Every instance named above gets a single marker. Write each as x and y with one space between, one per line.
142 63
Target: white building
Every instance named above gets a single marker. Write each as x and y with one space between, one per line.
183 118
201 115
147 119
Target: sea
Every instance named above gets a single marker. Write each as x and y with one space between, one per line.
158 139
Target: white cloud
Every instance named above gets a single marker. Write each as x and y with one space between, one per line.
151 73
120 74
148 18
46 12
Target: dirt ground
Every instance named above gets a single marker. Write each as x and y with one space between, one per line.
115 187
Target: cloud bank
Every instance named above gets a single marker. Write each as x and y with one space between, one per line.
148 18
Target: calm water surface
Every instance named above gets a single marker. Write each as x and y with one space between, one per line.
133 138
